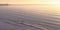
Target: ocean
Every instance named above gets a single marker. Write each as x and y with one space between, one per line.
46 17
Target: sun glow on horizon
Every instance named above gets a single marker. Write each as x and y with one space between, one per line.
30 1
35 3
47 3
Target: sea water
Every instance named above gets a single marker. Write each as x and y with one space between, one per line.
45 16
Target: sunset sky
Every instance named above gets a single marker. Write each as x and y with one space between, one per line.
30 1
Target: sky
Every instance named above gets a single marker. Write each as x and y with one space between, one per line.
30 1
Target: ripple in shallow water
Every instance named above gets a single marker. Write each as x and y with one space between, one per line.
39 19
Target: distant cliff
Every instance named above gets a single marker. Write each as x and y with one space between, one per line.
4 4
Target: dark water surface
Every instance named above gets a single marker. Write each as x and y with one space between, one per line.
43 16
